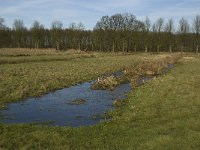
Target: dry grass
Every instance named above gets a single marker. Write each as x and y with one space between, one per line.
14 52
26 52
105 83
15 56
149 66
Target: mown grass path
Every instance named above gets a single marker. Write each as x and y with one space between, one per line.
162 114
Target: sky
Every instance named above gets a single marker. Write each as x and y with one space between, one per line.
89 12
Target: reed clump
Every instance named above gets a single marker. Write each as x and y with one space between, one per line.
150 68
131 74
105 83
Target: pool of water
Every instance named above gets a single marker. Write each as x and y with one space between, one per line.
56 108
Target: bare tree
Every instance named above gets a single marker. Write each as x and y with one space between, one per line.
4 34
80 26
56 28
72 26
119 32
19 28
2 23
159 27
119 22
169 28
56 24
196 28
105 23
159 24
18 25
147 25
36 33
184 28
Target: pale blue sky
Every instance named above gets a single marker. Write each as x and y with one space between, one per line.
89 12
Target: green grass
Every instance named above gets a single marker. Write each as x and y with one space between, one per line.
161 114
43 58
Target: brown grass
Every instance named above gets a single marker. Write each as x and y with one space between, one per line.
149 67
37 52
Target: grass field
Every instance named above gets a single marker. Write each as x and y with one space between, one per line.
36 75
161 114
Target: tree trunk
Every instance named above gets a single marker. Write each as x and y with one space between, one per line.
146 49
92 47
158 48
135 48
38 45
197 49
170 45
128 46
123 46
57 45
100 46
79 46
182 49
113 47
170 48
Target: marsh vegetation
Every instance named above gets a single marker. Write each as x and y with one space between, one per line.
162 113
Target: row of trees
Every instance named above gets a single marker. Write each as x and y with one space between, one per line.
120 32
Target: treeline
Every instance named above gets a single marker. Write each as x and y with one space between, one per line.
120 32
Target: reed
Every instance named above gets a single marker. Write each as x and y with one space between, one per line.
149 67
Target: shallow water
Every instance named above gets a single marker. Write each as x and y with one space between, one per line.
55 108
